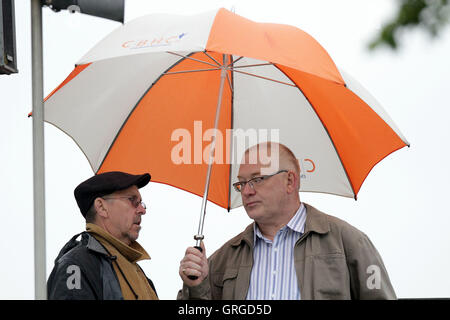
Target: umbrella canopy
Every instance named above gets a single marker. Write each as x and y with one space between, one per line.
144 99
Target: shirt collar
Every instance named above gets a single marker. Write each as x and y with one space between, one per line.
297 223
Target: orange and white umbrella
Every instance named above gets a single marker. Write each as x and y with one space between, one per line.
145 98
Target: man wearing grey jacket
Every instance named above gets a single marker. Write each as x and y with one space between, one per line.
292 250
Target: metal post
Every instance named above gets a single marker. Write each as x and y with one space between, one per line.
223 74
40 287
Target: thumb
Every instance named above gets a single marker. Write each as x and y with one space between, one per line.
202 245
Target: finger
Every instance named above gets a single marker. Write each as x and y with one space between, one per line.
193 262
202 245
185 273
194 251
193 258
186 266
203 250
192 255
191 272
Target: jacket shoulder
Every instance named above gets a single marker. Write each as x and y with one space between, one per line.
335 225
76 264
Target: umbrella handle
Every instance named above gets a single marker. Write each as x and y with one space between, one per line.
195 277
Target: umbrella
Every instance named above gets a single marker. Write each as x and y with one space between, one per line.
183 96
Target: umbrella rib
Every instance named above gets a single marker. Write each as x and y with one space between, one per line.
253 65
235 61
188 71
186 57
265 78
229 83
218 63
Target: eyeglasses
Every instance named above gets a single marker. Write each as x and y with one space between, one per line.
134 201
238 186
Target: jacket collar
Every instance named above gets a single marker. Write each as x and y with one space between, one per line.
95 246
247 236
316 221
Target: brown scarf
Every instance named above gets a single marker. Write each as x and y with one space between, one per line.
133 282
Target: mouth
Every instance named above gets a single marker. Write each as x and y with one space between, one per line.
251 204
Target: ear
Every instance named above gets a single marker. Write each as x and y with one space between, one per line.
292 182
101 207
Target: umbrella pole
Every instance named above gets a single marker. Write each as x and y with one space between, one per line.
40 286
223 74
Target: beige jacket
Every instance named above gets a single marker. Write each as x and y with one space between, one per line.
333 260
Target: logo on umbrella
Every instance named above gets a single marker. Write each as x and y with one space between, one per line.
155 42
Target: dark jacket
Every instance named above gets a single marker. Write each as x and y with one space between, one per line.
83 271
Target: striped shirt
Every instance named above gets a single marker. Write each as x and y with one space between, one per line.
273 274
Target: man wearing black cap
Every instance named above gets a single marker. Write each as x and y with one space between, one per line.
103 264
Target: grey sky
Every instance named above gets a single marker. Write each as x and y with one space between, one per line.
402 205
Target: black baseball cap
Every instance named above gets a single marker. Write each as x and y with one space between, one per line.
106 183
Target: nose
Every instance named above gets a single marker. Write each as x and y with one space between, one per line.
247 189
141 209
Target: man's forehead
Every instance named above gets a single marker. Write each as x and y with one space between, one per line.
249 170
260 161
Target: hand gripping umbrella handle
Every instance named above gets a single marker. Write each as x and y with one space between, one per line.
195 277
